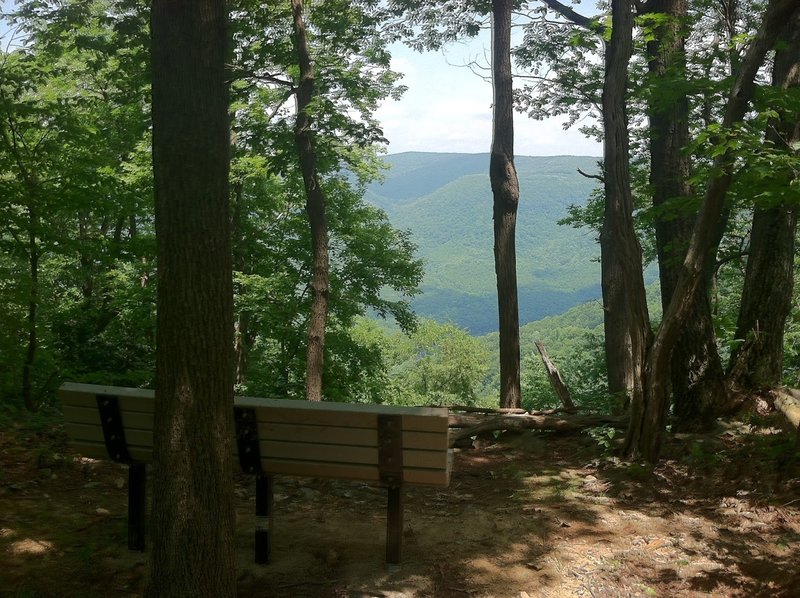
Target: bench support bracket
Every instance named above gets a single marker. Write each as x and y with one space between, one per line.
390 465
394 526
137 491
264 508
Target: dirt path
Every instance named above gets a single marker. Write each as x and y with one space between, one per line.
537 515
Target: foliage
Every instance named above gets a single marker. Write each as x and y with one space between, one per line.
604 437
77 92
437 364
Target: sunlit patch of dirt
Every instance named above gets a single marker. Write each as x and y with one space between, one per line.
30 546
533 515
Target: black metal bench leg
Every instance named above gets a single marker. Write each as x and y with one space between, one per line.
394 526
264 508
137 491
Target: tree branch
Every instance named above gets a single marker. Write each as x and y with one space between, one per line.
588 23
591 176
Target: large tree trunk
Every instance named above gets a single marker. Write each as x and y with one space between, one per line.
33 308
697 376
646 429
769 277
505 191
626 321
193 508
315 207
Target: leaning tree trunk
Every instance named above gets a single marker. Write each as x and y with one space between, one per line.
697 376
626 322
505 191
193 520
315 207
646 430
769 277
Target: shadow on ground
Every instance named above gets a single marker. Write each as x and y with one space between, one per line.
536 515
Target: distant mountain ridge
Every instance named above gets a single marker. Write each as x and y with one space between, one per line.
445 201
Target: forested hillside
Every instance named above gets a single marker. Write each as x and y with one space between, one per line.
445 201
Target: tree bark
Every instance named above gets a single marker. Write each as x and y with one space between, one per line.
697 376
315 207
193 508
626 321
646 428
505 192
769 275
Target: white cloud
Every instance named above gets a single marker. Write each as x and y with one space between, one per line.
448 108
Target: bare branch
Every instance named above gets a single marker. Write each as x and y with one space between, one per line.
598 177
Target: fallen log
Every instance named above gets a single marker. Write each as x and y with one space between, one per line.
787 401
487 410
471 425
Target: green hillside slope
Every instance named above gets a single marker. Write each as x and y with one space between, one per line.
445 201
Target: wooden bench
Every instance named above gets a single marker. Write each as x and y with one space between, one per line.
390 446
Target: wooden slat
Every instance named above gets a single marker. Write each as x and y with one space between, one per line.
321 434
289 414
365 473
425 459
82 415
90 415
301 451
312 406
356 455
76 388
432 441
348 436
140 404
424 419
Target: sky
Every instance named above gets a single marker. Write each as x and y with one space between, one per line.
448 108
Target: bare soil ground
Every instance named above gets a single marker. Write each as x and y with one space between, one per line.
532 515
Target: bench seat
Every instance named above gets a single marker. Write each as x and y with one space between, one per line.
391 446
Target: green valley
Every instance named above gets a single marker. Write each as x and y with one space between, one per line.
445 201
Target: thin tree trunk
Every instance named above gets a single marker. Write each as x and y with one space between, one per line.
242 336
769 276
242 346
697 376
626 321
193 518
646 429
33 307
315 207
505 191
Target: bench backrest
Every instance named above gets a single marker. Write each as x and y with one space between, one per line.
372 443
